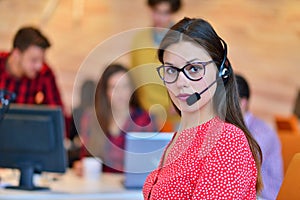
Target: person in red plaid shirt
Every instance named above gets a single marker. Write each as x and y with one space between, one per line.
24 71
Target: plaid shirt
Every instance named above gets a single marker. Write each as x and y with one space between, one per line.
40 90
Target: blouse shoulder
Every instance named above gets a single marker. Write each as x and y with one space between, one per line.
233 133
227 165
235 147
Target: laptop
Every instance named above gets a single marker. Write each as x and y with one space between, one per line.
143 152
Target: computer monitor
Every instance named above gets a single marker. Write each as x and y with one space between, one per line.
31 140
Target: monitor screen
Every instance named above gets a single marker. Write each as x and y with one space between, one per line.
31 140
143 154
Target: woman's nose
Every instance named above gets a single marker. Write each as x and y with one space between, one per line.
182 80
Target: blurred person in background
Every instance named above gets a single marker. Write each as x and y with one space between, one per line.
23 70
87 99
117 112
144 61
266 137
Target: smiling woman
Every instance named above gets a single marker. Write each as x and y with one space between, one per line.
212 155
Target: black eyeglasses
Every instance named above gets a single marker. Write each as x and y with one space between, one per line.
193 71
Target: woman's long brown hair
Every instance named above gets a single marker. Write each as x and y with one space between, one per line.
102 103
226 102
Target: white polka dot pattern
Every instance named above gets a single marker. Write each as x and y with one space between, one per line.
211 161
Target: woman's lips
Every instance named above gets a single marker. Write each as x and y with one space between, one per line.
183 97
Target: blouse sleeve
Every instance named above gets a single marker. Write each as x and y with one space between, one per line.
230 172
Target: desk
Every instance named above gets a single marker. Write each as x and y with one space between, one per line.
69 186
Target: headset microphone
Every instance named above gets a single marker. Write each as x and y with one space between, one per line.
223 74
197 96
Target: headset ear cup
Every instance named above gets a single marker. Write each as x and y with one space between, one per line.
225 68
225 73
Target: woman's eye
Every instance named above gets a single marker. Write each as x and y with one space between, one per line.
170 70
194 68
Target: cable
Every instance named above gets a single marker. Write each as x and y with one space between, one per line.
6 98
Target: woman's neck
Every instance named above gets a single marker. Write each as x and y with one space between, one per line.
189 120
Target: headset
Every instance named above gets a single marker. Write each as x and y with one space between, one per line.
224 73
6 98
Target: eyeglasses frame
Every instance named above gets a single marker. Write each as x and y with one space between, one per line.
182 70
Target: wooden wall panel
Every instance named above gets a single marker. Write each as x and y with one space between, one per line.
263 39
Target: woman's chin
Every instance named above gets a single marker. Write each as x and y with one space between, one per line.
184 107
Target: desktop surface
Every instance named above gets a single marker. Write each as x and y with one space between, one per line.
69 186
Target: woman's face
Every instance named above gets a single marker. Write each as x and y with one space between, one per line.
178 55
119 91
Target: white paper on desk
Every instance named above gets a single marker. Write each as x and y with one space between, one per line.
3 184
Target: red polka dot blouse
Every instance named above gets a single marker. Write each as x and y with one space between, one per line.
210 161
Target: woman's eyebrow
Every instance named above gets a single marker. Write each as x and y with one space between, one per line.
190 61
167 63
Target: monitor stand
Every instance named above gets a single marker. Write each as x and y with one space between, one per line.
26 179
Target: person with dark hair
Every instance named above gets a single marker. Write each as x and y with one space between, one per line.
212 155
144 60
266 137
23 70
174 5
86 101
117 112
161 13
